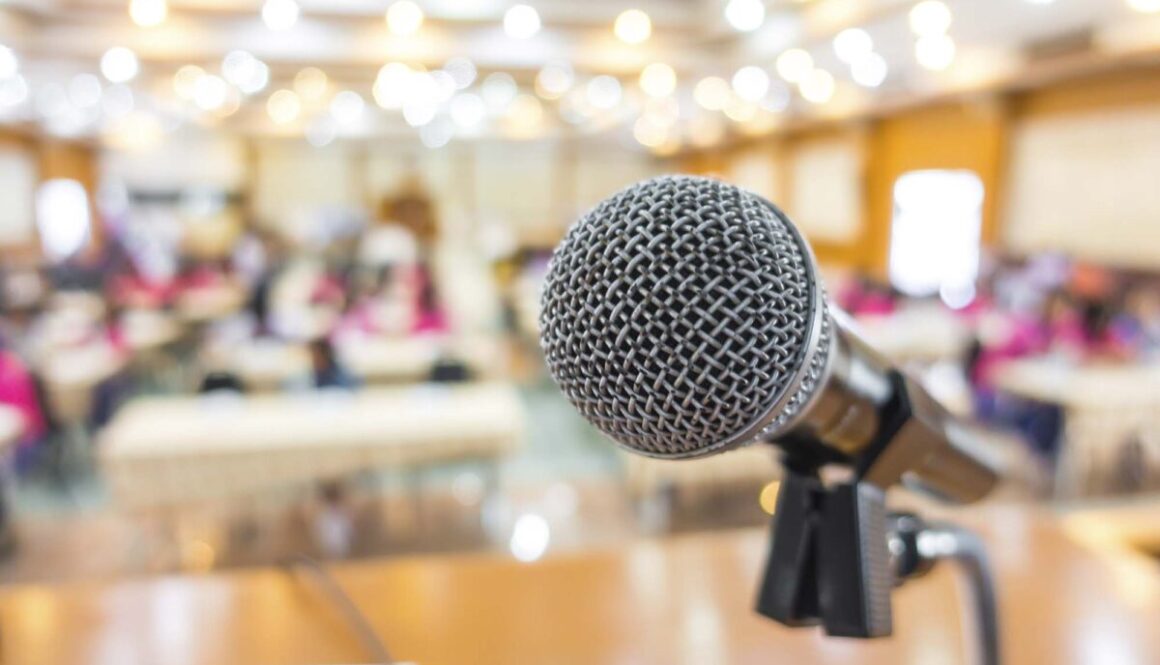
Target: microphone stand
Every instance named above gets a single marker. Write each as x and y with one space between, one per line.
836 554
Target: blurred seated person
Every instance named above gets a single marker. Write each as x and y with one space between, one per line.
18 390
865 296
326 370
1092 328
217 382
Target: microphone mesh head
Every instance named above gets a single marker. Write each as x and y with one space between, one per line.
677 313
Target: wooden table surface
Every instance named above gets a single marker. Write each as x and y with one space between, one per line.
674 601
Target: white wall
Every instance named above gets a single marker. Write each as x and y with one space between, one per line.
1087 184
17 193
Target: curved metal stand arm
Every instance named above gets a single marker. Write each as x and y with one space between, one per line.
946 541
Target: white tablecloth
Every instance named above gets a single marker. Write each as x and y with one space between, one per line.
161 450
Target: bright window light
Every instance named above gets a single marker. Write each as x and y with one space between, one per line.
934 240
62 217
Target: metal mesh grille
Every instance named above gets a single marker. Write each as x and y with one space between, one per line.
676 313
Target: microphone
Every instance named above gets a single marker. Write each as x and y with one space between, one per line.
684 317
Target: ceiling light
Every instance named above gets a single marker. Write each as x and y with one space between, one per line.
648 133
283 107
462 71
148 13
869 71
745 15
554 80
467 110
347 107
751 83
390 89
210 92
817 86
658 80
499 89
248 73
436 134
119 64
851 44
740 110
13 91
117 101
521 21
404 18
632 26
321 132
1145 6
186 79
794 64
603 92
930 17
311 83
280 14
9 64
419 112
84 91
711 93
935 52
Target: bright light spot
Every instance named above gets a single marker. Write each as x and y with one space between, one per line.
777 100
852 44
467 110
119 64
751 83
347 107
648 133
462 71
185 80
498 89
930 17
817 86
13 91
148 13
210 92
84 91
444 85
392 85
554 80
283 107
794 64
935 52
404 18
136 131
957 296
745 15
422 100
51 100
870 70
658 80
739 110
711 93
530 537
248 73
280 14
935 233
62 216
311 83
768 497
117 102
603 92
632 26
1145 6
9 64
321 132
521 21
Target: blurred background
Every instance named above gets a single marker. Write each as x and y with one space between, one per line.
270 269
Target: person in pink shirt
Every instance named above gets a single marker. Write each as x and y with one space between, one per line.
18 390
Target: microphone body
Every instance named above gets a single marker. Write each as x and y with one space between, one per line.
684 317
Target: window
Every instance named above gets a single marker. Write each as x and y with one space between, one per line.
62 216
935 234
